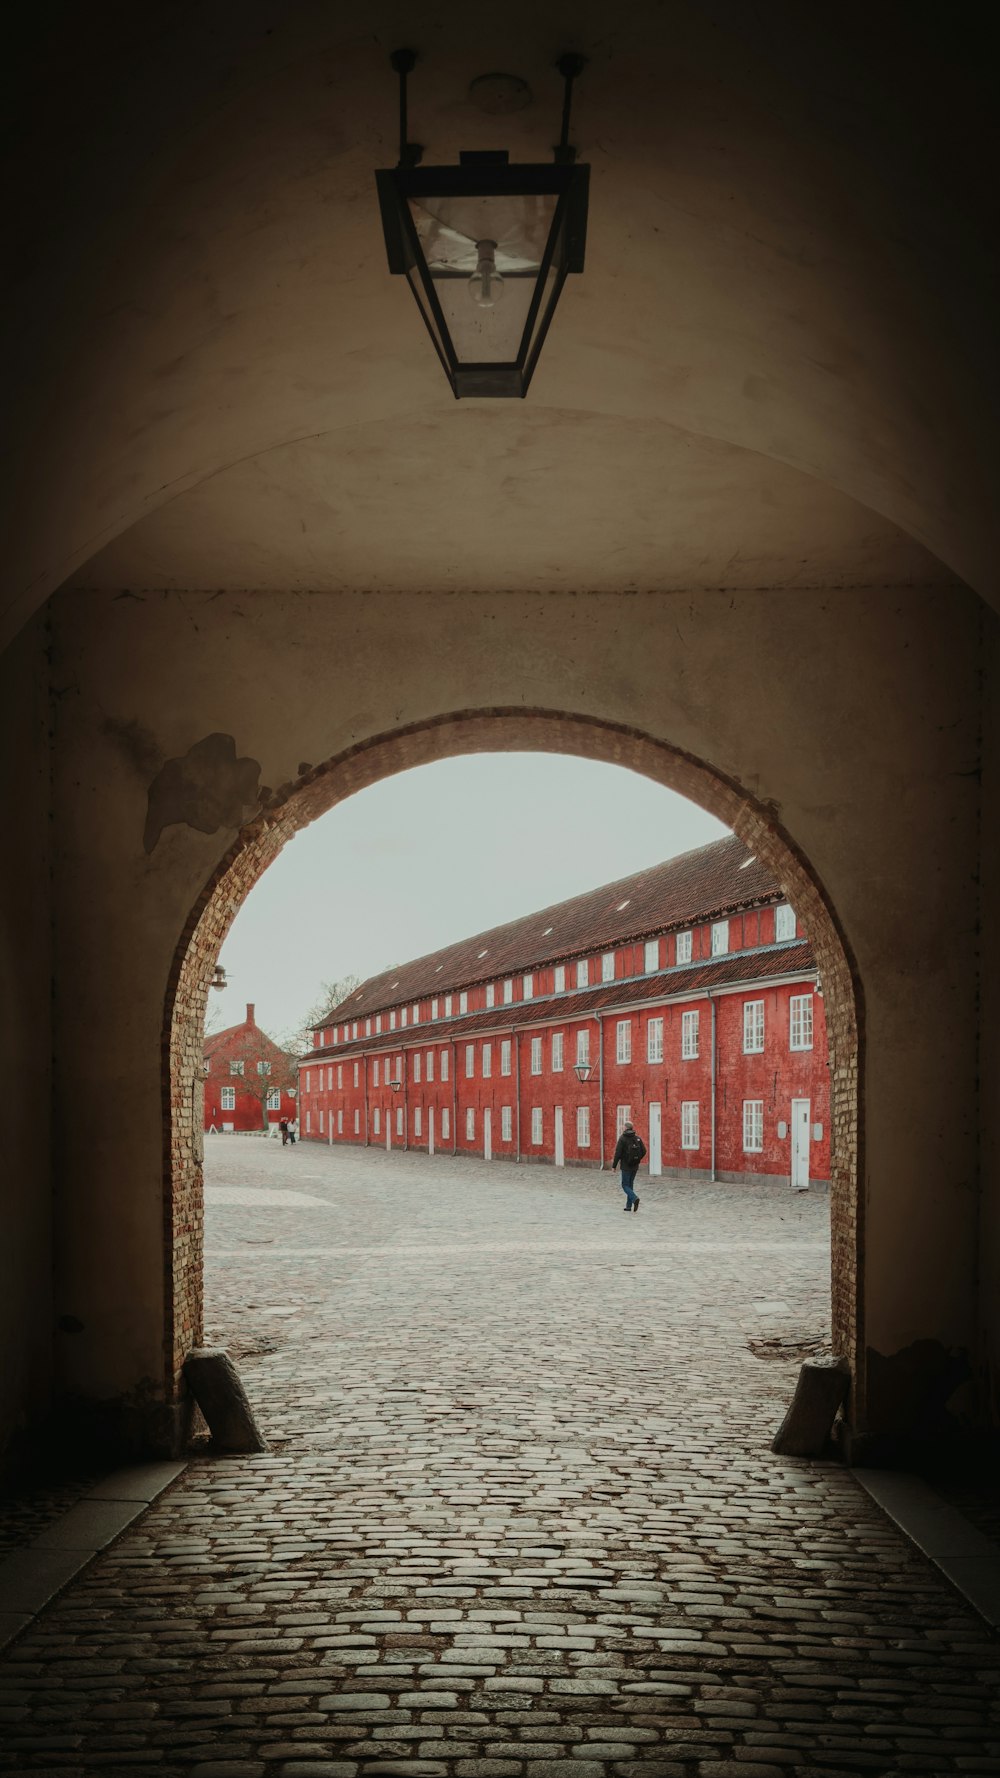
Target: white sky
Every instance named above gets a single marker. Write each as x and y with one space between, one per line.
434 855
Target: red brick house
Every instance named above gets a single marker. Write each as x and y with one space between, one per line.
249 1079
683 998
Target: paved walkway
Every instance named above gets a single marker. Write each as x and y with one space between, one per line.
519 1515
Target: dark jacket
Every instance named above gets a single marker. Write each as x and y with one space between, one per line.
629 1151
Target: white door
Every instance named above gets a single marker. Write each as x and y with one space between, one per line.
487 1134
430 1130
388 1127
655 1139
560 1147
800 1145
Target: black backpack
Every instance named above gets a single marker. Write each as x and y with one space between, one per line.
633 1149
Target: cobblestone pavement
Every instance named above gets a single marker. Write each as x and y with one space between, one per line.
519 1515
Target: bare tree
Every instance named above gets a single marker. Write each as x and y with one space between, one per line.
299 1041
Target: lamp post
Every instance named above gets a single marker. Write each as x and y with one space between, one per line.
486 248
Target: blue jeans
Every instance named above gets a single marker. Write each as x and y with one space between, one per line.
628 1177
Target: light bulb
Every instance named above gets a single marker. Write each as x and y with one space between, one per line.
486 284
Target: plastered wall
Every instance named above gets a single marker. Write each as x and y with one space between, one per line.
842 711
25 1046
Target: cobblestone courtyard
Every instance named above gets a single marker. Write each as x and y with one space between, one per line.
519 1514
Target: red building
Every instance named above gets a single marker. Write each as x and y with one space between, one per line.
249 1079
683 998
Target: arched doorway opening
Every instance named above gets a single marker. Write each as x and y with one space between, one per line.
318 790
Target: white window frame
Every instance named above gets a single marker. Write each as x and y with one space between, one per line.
720 938
753 1028
506 1123
228 1099
273 1102
559 979
434 1009
527 986
415 1014
308 1080
536 1055
487 1060
583 972
445 1124
444 1064
557 1052
583 1126
785 925
623 1116
505 1056
623 1041
470 1061
265 1068
429 1069
376 1071
463 1001
329 1077
340 1075
399 1120
321 1120
800 1022
368 1028
537 1127
651 956
340 1122
690 1035
684 947
416 1067
654 1040
309 1123
236 1067
377 1121
418 1120
753 1126
470 1123
357 1073
392 1020
583 1045
491 994
402 1017
378 1024
508 993
691 1125
357 1120
448 1003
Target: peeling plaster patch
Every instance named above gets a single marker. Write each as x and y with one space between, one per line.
207 788
910 1392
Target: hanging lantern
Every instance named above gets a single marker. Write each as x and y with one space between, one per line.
486 248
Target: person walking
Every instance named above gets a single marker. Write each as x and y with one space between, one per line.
293 1130
283 1127
628 1154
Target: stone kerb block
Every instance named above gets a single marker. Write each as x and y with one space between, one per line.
820 1391
214 1382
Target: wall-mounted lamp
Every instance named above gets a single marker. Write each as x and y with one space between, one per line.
582 1070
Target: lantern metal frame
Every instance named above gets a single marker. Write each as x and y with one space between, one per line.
487 174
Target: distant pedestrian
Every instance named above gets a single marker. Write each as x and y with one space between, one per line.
283 1127
628 1154
293 1129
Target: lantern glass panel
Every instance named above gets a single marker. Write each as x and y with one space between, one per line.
509 232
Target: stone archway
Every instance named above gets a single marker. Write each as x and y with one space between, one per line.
321 788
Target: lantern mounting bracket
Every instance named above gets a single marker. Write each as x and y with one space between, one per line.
410 153
569 67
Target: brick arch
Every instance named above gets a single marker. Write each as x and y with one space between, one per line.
320 789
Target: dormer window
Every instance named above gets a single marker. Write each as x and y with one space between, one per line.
684 947
720 938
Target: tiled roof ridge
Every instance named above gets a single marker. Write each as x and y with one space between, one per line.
735 968
726 855
212 1040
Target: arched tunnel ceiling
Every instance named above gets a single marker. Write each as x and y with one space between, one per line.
526 499
763 375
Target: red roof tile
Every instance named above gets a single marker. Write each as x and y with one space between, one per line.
763 963
709 881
